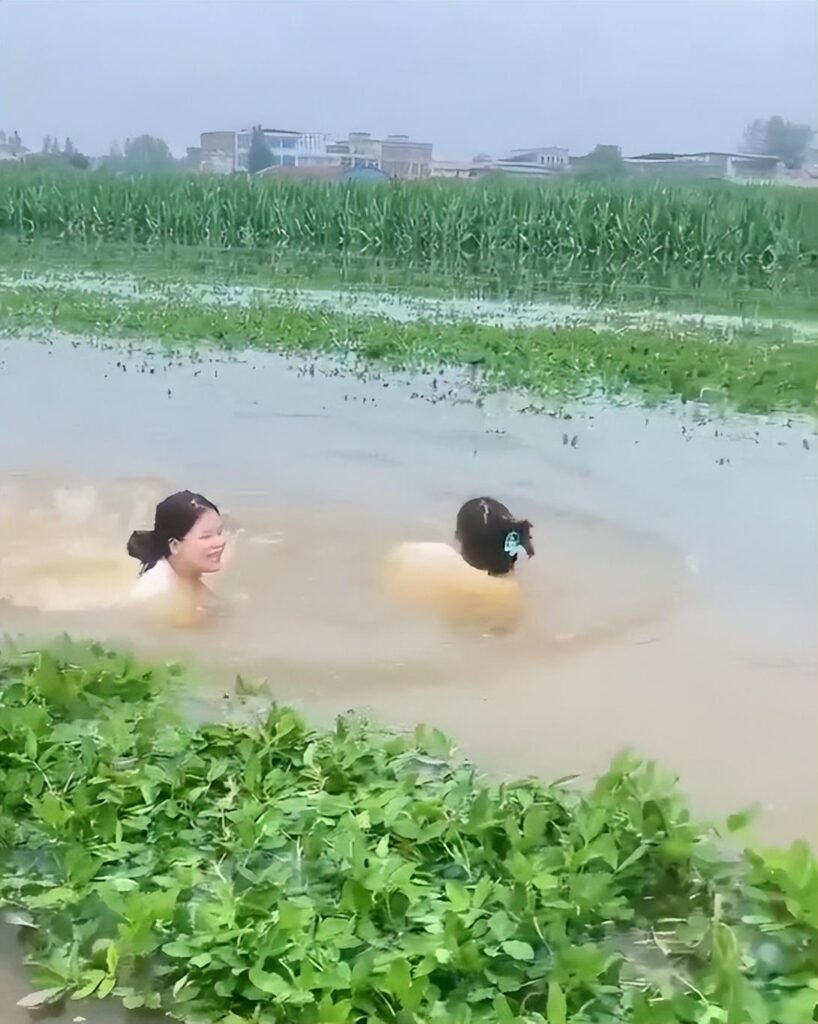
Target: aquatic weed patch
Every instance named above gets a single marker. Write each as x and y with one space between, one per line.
271 872
749 373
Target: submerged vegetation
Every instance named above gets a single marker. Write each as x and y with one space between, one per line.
269 872
748 291
749 251
749 373
602 224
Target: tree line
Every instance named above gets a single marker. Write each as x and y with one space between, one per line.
145 154
777 137
141 155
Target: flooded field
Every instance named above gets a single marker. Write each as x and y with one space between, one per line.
550 313
670 608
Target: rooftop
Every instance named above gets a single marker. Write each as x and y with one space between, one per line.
707 152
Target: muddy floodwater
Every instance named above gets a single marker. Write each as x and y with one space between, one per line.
671 606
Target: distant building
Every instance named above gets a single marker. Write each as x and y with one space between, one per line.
515 169
397 155
554 158
358 149
218 152
533 162
403 158
453 168
226 152
701 166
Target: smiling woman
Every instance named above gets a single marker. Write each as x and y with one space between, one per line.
187 541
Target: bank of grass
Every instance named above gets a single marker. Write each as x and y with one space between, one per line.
270 872
747 373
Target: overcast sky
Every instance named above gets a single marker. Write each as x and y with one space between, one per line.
468 75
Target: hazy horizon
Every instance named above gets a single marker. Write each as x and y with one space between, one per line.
467 75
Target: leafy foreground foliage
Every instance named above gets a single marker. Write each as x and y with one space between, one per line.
271 873
750 374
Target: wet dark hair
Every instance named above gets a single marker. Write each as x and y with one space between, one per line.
485 530
175 518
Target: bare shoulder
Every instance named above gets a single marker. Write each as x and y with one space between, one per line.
156 582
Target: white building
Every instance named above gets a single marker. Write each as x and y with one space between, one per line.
553 158
226 152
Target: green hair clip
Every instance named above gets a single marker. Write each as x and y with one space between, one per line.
512 545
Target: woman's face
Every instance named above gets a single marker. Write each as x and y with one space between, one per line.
201 549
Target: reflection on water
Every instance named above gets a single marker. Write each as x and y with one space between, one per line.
670 607
746 290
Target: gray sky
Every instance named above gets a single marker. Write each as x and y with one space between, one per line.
469 75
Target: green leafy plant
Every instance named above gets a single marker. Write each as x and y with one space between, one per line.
269 872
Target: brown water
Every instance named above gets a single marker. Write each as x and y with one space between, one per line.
670 608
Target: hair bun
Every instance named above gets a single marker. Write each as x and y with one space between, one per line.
524 527
142 546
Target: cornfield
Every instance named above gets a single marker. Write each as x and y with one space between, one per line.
602 224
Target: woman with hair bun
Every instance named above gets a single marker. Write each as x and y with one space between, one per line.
473 582
186 543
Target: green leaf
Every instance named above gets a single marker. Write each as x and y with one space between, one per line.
534 823
398 980
59 896
106 986
556 1007
545 882
51 810
458 896
178 949
518 950
271 984
34 1000
798 1008
293 917
632 858
112 958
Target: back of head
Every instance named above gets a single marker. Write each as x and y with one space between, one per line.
490 537
175 517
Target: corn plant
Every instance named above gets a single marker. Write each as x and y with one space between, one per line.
604 225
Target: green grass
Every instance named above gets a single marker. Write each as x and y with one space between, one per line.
603 226
272 873
749 374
